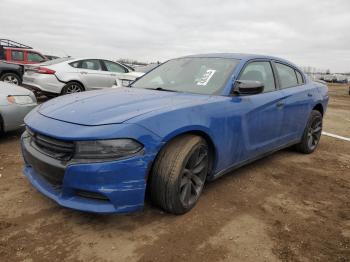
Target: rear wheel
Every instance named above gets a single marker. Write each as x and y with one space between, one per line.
179 174
72 87
11 78
312 133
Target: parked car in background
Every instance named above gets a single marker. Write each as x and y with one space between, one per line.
15 104
329 78
11 73
190 120
51 57
68 75
18 53
146 68
342 79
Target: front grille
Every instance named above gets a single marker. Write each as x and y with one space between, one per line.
58 149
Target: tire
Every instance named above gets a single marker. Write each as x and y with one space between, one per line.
72 87
11 78
312 133
179 174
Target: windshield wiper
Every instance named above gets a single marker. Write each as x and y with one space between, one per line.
162 89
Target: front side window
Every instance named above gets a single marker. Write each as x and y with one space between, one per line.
199 75
260 71
287 76
17 55
114 67
92 64
34 57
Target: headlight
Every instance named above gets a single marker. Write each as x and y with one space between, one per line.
106 149
21 100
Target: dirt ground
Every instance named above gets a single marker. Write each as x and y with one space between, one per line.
286 207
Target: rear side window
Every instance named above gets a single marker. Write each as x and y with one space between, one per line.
92 64
17 55
114 67
75 64
260 71
34 57
287 76
299 77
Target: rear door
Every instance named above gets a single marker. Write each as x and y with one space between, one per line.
262 123
92 74
297 96
16 56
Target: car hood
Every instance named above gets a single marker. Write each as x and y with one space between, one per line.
113 106
14 90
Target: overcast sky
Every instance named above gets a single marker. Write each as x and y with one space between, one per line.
307 32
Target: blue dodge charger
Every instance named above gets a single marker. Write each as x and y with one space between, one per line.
188 121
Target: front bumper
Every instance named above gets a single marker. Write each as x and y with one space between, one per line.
14 114
106 187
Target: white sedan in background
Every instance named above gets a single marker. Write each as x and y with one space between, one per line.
68 75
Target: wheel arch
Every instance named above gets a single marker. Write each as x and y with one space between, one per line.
199 132
319 107
10 72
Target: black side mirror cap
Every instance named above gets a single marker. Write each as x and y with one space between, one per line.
248 87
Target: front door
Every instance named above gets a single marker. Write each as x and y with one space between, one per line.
262 122
93 76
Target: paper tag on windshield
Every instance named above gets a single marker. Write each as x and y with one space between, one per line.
206 77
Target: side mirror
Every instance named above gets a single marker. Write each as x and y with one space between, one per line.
248 87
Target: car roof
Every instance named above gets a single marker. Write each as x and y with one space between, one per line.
92 58
241 56
20 49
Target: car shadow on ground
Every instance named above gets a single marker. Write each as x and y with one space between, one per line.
11 136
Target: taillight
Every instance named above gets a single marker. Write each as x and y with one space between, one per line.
44 70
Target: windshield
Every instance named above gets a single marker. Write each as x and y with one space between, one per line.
192 74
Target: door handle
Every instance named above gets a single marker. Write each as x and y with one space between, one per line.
83 73
280 104
309 95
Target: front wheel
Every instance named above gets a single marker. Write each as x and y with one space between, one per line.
179 174
312 133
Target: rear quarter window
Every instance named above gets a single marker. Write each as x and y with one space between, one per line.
75 64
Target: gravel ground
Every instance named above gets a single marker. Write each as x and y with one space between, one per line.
286 207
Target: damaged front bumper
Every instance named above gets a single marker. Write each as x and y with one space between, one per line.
105 187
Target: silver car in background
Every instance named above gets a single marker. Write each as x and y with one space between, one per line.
68 75
15 104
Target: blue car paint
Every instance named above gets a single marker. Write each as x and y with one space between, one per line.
240 128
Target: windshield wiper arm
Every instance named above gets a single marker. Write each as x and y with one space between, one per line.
162 89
